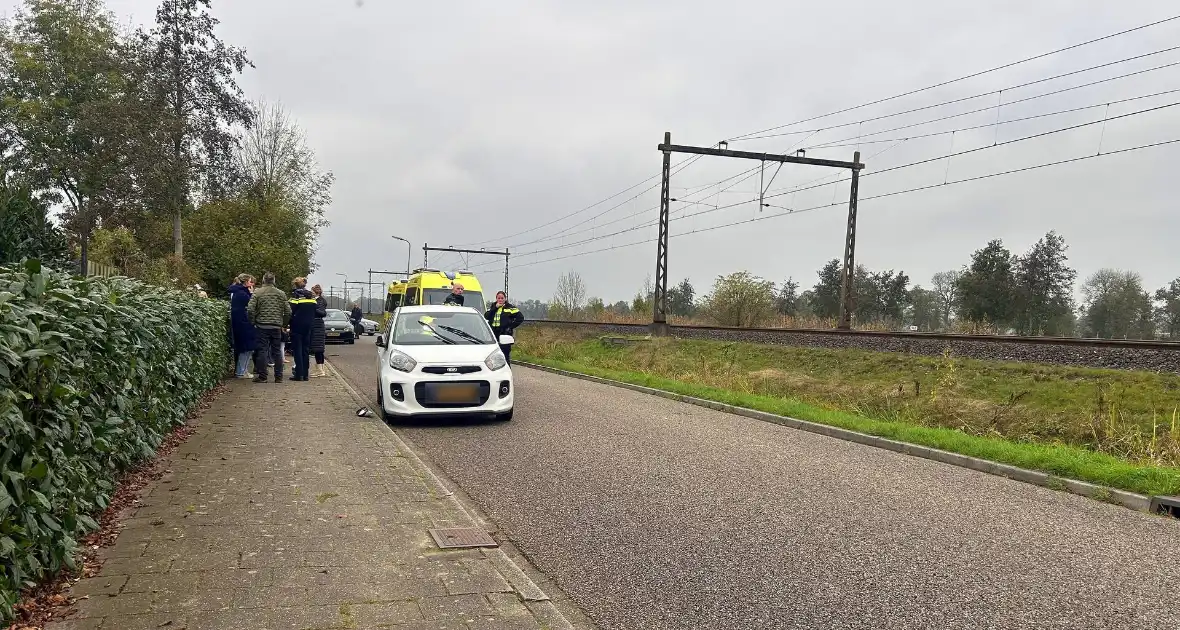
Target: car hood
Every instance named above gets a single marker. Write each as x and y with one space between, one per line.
467 353
337 324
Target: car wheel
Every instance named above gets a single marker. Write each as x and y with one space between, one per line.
505 417
385 415
351 341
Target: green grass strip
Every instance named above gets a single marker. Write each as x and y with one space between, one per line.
1062 461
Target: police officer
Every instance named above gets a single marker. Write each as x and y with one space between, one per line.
504 318
303 313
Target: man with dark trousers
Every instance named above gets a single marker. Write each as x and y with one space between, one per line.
504 319
354 317
269 311
303 314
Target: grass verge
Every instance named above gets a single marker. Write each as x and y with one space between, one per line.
952 416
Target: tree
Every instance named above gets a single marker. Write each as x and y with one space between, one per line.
25 229
228 237
63 102
786 302
534 309
880 296
621 308
277 166
1168 312
117 247
191 103
1116 306
945 285
826 293
641 305
805 303
740 299
868 291
595 307
925 309
569 297
680 299
985 287
1044 284
644 300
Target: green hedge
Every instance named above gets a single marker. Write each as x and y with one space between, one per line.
94 372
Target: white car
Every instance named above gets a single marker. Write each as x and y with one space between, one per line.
442 360
370 326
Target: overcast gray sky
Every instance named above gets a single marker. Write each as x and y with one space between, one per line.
458 123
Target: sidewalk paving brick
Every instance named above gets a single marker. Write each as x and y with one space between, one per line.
286 511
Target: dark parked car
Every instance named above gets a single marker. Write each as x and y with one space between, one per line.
337 328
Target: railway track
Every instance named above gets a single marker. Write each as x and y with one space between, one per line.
1073 341
1161 356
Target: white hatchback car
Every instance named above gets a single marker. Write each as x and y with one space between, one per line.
442 360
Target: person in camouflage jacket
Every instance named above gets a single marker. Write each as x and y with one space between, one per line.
270 313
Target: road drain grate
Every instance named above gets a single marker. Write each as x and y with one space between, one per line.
1168 506
461 537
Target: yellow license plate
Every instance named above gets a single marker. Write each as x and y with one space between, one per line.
457 393
333 334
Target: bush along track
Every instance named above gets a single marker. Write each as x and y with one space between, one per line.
1032 417
94 373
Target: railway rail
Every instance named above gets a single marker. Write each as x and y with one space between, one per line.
1074 341
1132 354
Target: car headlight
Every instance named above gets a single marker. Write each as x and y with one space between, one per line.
399 360
495 360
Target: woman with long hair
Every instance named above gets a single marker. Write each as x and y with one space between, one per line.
244 339
318 336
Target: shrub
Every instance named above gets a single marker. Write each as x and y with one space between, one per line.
94 372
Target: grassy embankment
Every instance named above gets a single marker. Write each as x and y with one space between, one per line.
1115 428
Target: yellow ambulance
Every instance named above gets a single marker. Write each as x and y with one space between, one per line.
432 286
393 299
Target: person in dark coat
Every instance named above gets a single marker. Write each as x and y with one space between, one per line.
244 339
355 317
456 295
303 308
318 337
504 318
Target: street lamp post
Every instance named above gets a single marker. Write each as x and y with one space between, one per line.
409 249
345 289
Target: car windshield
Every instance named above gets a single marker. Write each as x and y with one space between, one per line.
434 297
337 315
442 327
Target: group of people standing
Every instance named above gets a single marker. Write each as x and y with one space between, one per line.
263 319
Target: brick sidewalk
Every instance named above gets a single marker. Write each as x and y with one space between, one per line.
287 511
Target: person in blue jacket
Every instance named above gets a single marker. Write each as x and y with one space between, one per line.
242 330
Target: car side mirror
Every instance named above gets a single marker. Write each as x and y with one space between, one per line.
507 340
381 341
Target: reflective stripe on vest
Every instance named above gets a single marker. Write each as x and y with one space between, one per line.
302 301
509 310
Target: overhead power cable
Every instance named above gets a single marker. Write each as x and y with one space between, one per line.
1008 89
990 125
867 175
962 78
861 106
900 192
984 148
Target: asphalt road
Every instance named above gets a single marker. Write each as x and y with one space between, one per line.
660 515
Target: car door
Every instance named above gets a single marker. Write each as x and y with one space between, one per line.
384 336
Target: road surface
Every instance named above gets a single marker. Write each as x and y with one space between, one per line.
660 515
